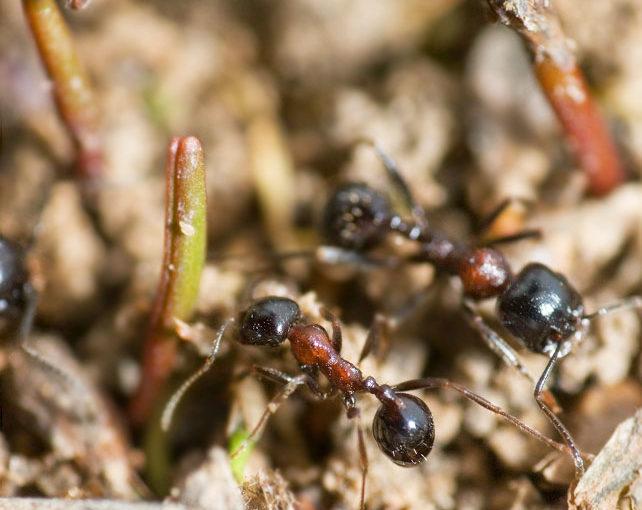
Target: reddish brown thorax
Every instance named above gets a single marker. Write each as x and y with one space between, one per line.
311 345
484 273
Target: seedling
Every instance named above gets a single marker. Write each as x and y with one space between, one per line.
183 260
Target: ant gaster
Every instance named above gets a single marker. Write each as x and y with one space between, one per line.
537 305
402 426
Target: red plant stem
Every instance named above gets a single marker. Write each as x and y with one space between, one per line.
183 259
72 91
77 4
565 87
585 128
159 355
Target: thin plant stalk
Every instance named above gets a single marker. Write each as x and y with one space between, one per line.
76 5
183 261
566 89
72 90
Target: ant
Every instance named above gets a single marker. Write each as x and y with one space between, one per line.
538 306
18 298
403 426
18 303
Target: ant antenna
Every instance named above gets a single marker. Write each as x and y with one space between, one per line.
26 324
363 462
418 212
170 407
625 304
529 233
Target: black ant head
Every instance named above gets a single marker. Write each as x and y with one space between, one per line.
355 217
268 321
13 282
404 429
541 308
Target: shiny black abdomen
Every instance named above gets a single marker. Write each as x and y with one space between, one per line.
406 433
540 308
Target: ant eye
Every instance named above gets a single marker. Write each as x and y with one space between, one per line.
355 217
268 321
541 308
13 278
404 432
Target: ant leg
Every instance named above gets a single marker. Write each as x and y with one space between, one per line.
436 382
625 304
489 219
337 337
313 383
363 460
26 325
529 233
559 426
353 413
275 258
378 338
333 255
504 351
172 403
291 384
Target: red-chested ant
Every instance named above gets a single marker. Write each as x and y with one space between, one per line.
402 426
537 305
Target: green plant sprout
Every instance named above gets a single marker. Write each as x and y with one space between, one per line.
238 462
183 260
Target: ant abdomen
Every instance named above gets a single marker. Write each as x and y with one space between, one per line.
268 321
13 279
356 217
404 430
541 308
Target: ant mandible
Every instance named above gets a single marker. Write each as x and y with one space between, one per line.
537 305
402 426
